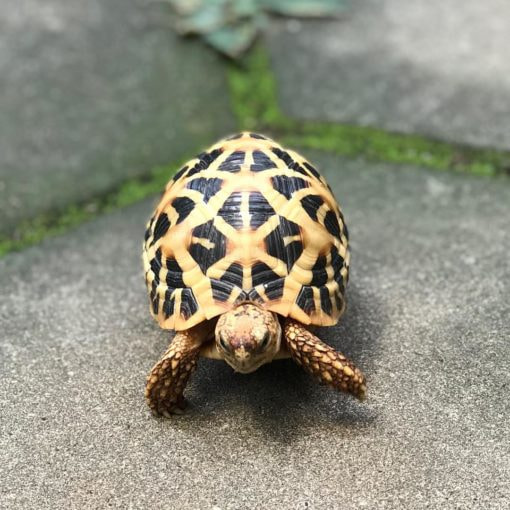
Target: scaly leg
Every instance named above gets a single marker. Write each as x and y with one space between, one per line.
169 376
322 361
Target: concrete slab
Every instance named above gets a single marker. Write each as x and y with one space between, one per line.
427 320
437 68
93 93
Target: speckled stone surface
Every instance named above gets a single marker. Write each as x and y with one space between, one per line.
427 320
438 68
93 93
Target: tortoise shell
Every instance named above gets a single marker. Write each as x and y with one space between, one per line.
246 221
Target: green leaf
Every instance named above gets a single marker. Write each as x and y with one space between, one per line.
244 8
207 18
304 8
185 7
230 26
232 40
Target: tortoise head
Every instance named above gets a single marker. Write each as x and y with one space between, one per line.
247 337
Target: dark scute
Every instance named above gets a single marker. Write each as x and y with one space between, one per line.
345 230
286 158
155 304
259 137
242 297
183 206
341 285
288 185
312 170
180 173
189 305
331 224
294 251
204 230
168 305
174 274
194 171
233 162
204 161
254 296
148 231
259 209
274 289
289 228
262 273
205 257
235 137
305 299
300 169
156 265
233 275
337 262
231 210
338 301
220 290
261 162
340 281
275 244
161 228
154 297
206 158
320 275
208 187
311 204
326 304
201 255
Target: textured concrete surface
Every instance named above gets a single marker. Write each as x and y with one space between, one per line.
440 68
94 92
427 319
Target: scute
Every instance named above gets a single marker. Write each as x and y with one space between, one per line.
246 221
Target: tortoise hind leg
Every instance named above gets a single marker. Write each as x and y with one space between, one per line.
169 376
322 361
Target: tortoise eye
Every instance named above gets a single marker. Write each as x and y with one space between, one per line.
224 344
265 341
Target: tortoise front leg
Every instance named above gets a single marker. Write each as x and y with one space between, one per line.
323 362
169 376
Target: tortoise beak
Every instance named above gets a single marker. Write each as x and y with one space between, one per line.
242 354
244 362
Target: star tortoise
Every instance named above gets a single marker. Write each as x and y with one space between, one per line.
246 248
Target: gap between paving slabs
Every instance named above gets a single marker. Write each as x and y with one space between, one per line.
254 100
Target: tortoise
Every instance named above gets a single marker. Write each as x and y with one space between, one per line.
246 250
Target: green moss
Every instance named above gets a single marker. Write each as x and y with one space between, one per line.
35 230
253 94
255 103
377 145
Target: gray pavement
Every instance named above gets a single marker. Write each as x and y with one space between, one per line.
439 68
427 320
93 93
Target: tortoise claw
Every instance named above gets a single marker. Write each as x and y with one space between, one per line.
170 409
